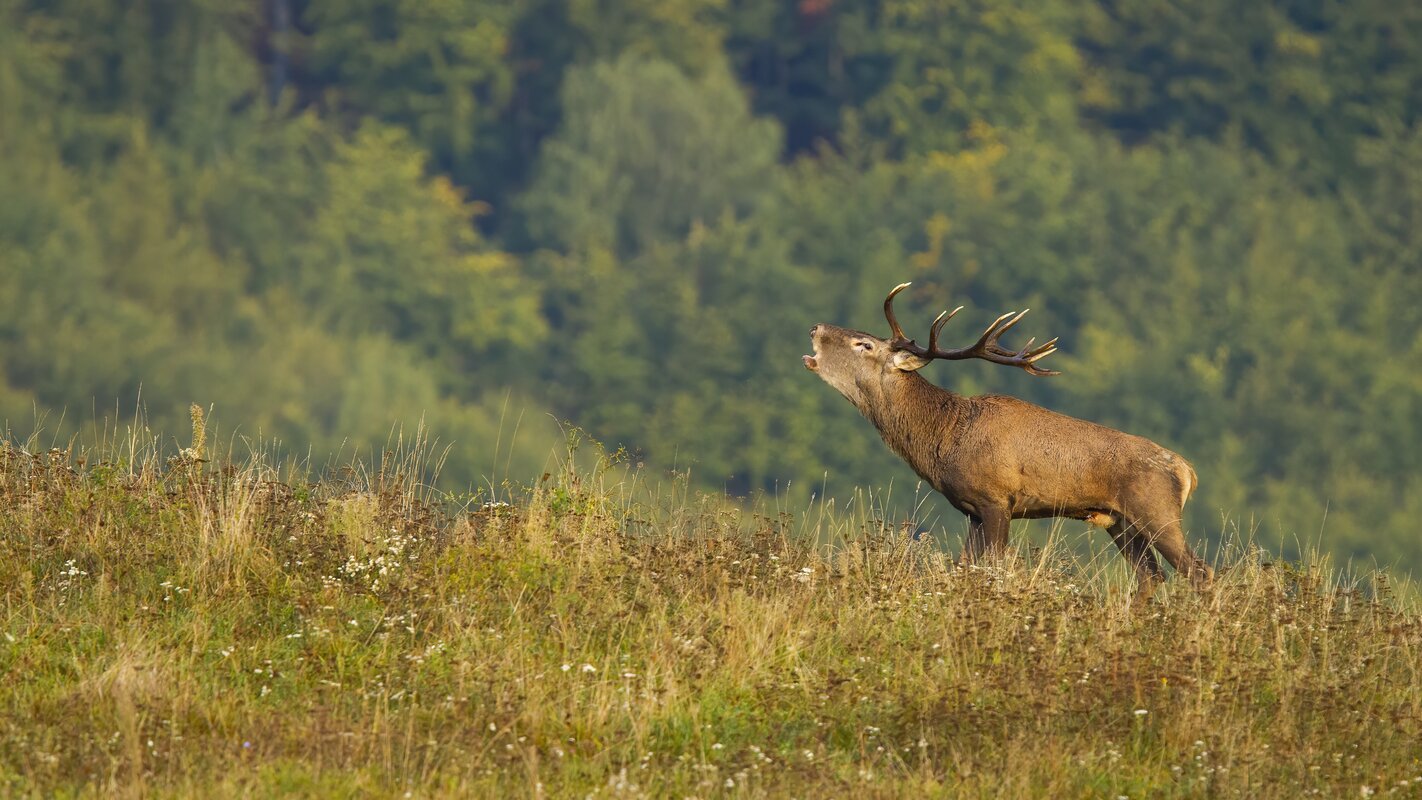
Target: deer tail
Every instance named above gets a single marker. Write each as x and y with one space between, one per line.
1185 480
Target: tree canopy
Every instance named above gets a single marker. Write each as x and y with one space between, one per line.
328 218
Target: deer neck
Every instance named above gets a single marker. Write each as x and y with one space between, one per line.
914 417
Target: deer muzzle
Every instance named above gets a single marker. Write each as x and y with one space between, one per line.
810 363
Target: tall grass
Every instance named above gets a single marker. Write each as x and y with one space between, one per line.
226 624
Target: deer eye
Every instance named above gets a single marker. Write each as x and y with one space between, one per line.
866 346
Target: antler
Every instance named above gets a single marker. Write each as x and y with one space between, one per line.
986 348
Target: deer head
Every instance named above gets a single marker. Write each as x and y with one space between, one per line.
858 364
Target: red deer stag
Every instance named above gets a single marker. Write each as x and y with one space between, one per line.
998 458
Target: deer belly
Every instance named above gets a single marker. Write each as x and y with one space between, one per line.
1092 512
1092 516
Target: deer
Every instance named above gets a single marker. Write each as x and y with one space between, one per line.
997 458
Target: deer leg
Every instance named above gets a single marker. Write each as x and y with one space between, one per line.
1169 539
976 542
996 522
1133 545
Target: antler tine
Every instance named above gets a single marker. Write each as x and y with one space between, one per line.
992 327
1001 329
1029 357
889 312
987 343
938 324
1041 352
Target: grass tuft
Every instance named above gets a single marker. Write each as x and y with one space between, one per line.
235 626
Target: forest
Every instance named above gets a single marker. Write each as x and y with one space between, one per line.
327 220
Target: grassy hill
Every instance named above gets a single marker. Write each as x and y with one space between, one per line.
172 626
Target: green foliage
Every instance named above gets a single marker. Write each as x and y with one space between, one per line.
437 67
391 251
1299 81
482 213
687 33
960 62
917 73
643 153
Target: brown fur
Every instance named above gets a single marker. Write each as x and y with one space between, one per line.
997 458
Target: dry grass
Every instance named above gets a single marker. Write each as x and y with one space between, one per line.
175 627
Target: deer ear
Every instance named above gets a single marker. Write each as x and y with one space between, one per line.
908 362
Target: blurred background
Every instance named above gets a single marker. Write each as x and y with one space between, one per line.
325 218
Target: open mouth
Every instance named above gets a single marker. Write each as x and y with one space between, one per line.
812 362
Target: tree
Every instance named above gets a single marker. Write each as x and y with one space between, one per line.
1301 82
390 250
438 68
644 152
915 74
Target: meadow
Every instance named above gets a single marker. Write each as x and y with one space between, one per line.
175 622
